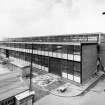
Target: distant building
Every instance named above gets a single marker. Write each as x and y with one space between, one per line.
73 56
13 91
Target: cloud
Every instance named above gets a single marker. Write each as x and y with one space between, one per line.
46 17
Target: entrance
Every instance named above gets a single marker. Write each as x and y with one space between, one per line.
7 53
55 66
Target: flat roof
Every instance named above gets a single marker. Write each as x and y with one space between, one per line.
55 43
11 85
12 90
54 35
8 75
19 64
24 94
3 71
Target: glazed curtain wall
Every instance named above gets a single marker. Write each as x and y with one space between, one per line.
64 67
70 49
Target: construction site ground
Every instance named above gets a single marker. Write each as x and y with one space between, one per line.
46 84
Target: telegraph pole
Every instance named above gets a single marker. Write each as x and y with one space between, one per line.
30 87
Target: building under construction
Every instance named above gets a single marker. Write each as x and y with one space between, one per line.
72 56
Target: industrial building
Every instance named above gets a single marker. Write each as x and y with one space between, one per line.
73 56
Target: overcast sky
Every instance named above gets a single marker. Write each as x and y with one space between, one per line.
20 18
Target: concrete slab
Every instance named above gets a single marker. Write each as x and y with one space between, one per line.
18 63
3 70
44 80
74 90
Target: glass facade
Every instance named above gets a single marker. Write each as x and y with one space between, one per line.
60 55
55 58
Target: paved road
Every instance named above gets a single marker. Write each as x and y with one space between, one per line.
96 96
89 99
